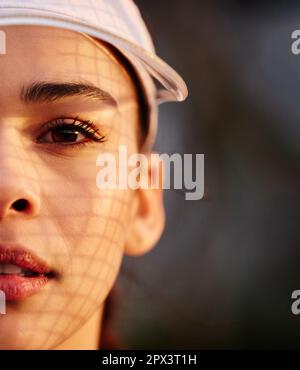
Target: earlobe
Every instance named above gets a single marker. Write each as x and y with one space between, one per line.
148 217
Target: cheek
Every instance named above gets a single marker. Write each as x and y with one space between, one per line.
92 224
96 236
96 249
94 232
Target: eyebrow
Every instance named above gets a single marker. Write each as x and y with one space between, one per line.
48 92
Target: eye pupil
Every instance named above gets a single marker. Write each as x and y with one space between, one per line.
64 135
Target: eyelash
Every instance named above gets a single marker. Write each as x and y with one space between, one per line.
85 127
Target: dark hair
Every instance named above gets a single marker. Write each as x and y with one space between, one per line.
110 338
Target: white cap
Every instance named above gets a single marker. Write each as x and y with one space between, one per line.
117 22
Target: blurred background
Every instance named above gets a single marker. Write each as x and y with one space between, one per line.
223 273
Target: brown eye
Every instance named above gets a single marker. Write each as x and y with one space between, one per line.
75 132
64 135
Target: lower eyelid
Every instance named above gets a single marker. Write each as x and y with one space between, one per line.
64 151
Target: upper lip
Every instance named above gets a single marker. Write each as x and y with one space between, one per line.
16 254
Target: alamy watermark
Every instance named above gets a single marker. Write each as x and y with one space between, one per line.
181 172
295 308
296 43
2 303
2 42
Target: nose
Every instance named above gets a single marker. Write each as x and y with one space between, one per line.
17 198
19 190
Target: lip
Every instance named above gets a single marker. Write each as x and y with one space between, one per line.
16 287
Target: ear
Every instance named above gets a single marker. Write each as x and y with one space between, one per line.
148 215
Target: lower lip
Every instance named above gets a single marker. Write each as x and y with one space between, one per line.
17 287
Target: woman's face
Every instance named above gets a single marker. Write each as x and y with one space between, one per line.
53 219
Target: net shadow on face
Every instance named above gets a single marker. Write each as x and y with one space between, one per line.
76 229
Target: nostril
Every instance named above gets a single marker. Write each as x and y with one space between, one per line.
21 205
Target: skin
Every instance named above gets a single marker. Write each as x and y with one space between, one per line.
81 232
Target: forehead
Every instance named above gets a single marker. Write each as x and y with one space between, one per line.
48 53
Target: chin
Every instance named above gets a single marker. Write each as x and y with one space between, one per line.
25 332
